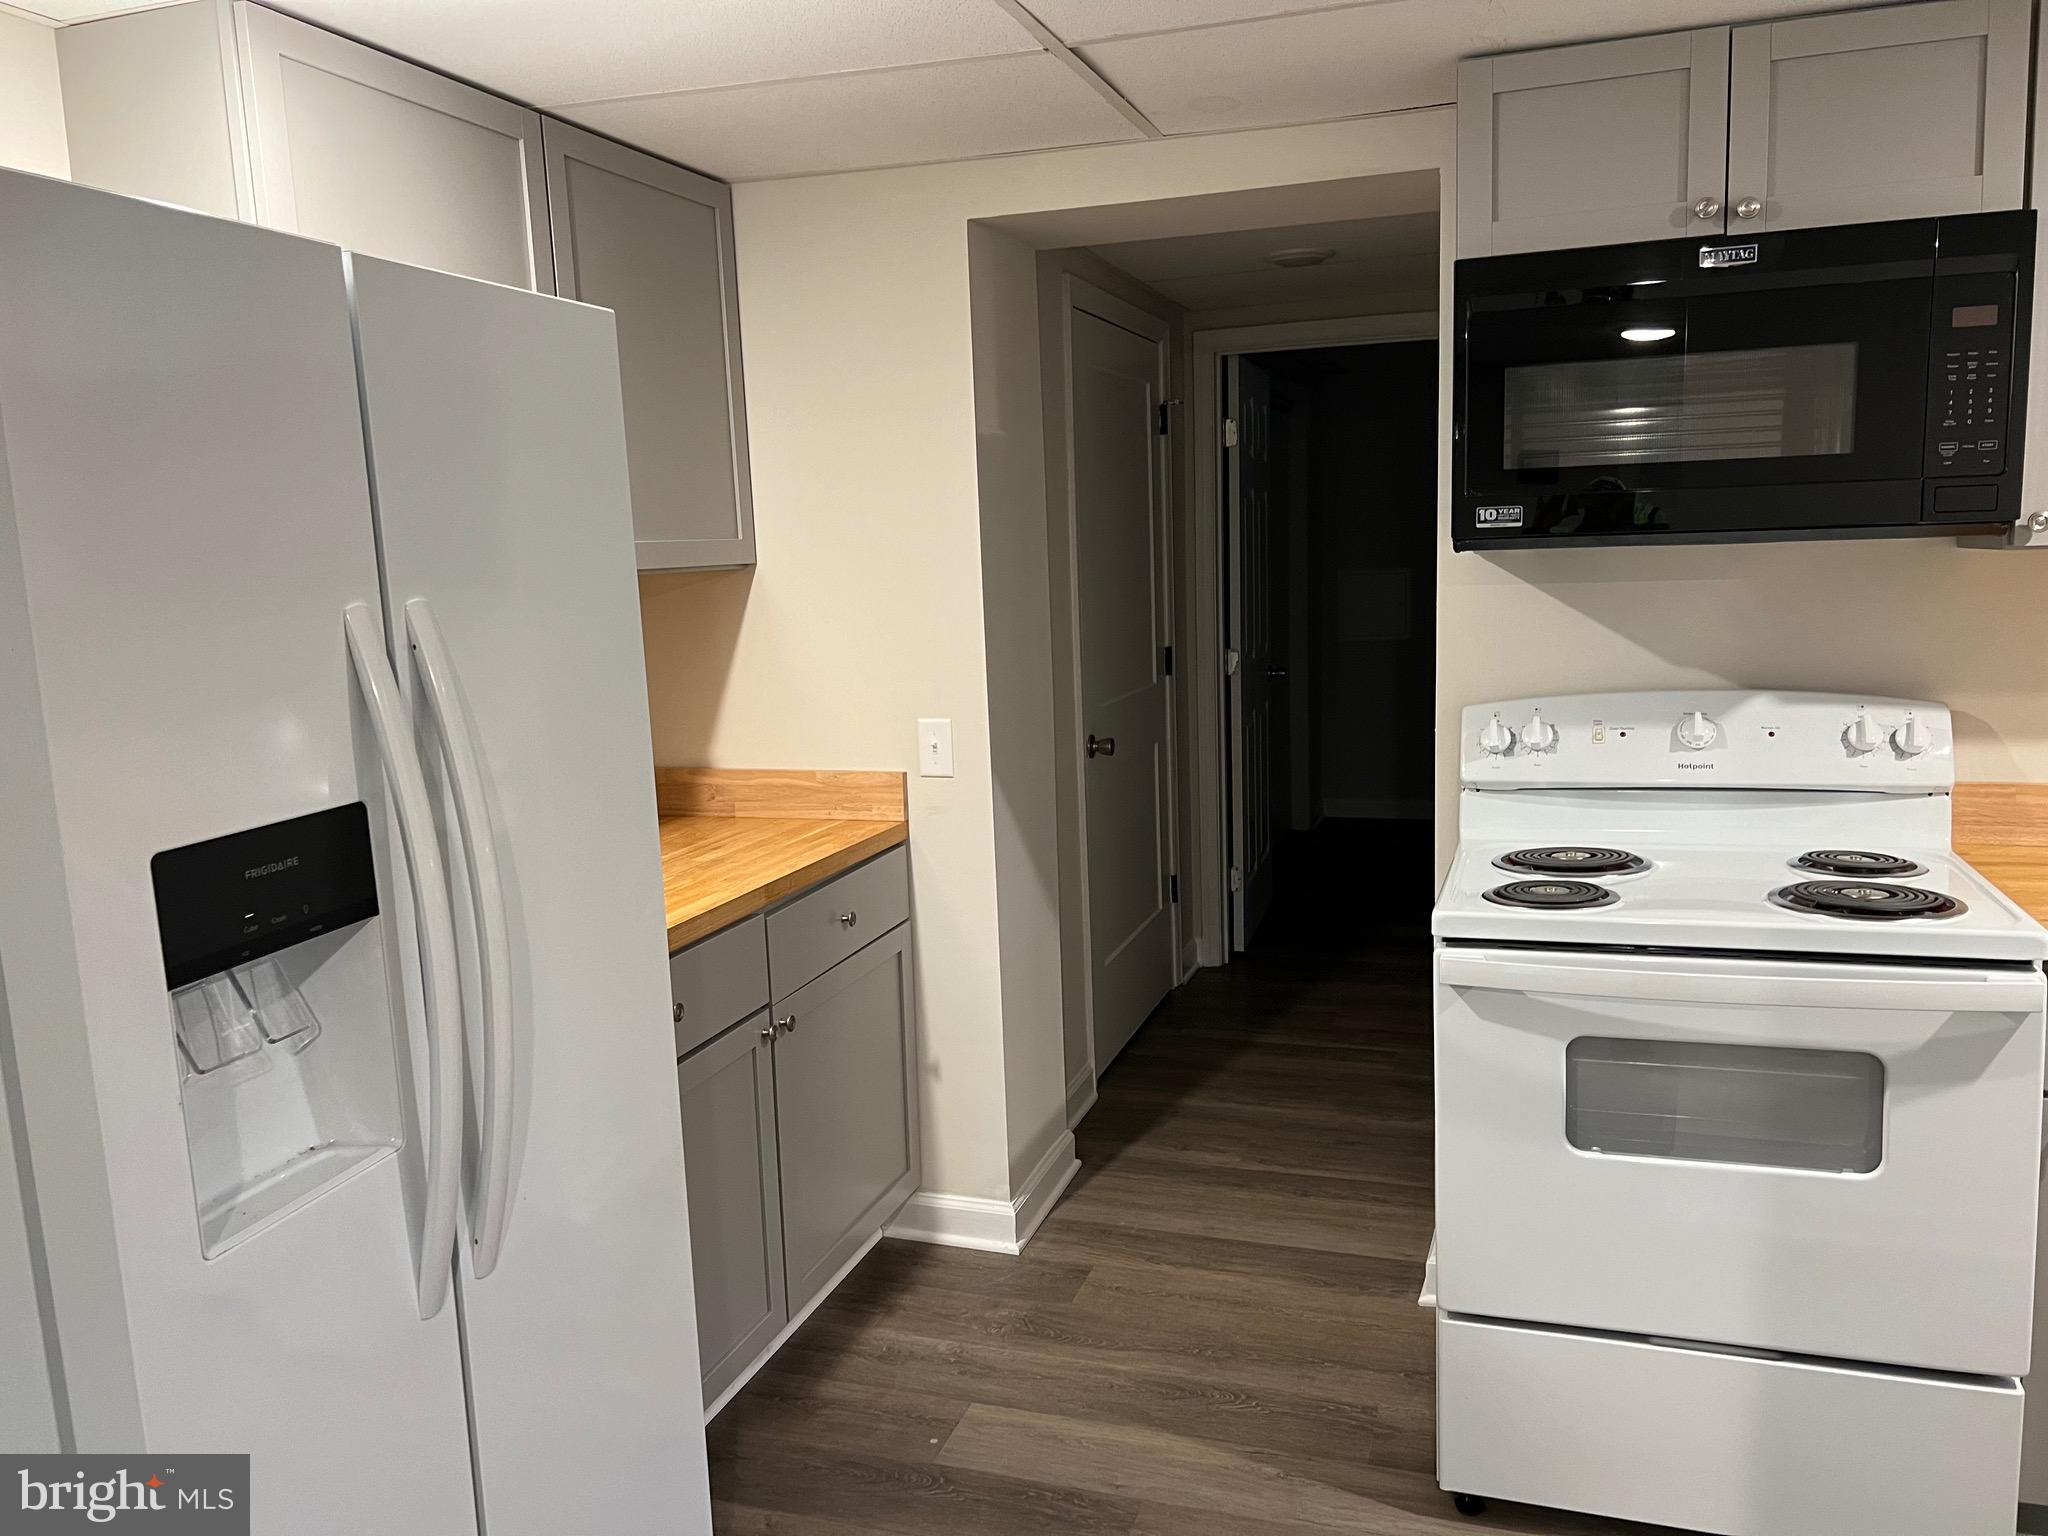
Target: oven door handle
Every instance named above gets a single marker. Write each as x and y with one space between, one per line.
1747 983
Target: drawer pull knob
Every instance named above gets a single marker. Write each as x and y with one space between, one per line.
679 1013
848 919
1749 208
787 1024
767 1031
1707 208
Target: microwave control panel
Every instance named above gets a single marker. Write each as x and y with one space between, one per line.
1971 383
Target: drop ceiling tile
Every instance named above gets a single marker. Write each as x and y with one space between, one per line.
956 111
1293 69
1079 21
1382 56
553 51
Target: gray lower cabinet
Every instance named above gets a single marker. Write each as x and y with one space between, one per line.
800 1129
730 1160
653 243
845 1090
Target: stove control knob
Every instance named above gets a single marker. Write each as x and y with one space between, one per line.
1696 732
1539 735
1496 738
1912 738
1863 735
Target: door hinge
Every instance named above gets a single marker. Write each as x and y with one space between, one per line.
1173 889
1230 660
1236 878
1166 659
1229 432
1166 416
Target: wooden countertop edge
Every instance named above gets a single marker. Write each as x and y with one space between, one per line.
815 871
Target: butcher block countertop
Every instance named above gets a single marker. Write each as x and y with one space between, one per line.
737 841
2002 829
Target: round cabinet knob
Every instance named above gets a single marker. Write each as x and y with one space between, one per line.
1862 735
1912 738
1539 735
1496 738
1696 732
1748 208
1707 208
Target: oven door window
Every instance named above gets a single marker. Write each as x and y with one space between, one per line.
1607 391
1762 1106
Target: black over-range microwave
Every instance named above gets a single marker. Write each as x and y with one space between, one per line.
1816 383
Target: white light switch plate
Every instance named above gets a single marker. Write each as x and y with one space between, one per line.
935 749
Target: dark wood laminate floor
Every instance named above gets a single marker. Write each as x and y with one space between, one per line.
1214 1334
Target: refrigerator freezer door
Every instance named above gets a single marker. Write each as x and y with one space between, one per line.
498 458
184 516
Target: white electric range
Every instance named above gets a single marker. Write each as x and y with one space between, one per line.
1739 1110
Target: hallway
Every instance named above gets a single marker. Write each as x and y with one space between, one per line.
1215 1333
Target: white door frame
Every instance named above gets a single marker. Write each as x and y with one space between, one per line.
1205 889
1068 730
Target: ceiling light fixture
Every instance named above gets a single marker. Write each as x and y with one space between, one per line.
1648 333
1301 256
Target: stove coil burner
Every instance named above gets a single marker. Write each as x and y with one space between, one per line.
1573 861
1845 898
1554 895
1853 861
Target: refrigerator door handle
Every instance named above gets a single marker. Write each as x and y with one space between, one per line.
487 897
429 882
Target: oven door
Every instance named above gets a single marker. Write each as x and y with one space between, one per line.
1812 1157
1697 406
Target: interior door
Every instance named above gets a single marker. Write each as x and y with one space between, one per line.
1120 545
498 458
1252 675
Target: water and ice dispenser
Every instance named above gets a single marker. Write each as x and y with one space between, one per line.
281 1013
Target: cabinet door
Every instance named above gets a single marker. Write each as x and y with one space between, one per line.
1594 145
653 243
1905 112
729 1160
383 157
846 1106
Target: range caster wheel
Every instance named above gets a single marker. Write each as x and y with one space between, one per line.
1468 1504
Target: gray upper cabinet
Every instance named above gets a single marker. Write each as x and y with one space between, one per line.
1905 111
368 151
1593 145
653 243
729 1161
242 112
1899 113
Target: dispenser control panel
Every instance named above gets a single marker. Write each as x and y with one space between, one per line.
234 899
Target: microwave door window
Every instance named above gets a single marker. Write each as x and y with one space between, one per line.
1680 407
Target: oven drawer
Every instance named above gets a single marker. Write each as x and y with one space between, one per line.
1720 1442
1776 1154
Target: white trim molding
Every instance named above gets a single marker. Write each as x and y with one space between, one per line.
995 1226
1080 1094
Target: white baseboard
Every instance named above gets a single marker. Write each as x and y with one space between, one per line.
995 1226
712 1410
1190 958
1080 1094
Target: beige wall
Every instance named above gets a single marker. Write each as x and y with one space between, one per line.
31 110
868 607
1917 618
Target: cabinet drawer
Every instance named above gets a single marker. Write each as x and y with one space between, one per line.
718 982
1760 1447
815 932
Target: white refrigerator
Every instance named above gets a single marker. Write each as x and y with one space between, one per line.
339 1121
